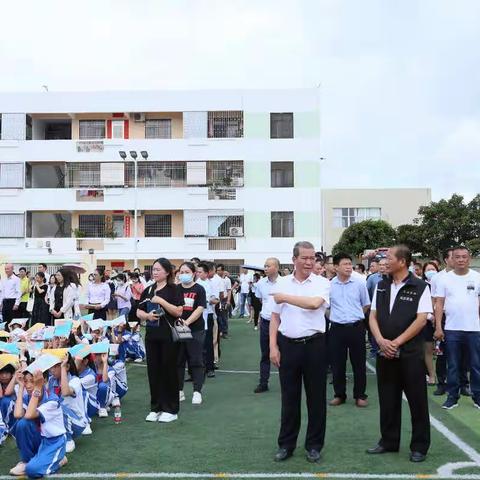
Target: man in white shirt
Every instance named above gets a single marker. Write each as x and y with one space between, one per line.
458 295
245 280
262 292
298 349
11 294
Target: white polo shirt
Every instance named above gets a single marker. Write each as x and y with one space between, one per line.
435 281
263 289
298 322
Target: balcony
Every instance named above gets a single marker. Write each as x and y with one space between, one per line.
51 127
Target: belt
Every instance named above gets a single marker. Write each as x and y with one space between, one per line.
353 324
264 319
303 340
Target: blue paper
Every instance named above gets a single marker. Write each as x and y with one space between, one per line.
49 333
9 348
80 350
101 347
96 324
43 363
63 330
87 317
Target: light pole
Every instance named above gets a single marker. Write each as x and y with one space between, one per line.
134 156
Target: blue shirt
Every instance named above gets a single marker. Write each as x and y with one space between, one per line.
347 300
372 282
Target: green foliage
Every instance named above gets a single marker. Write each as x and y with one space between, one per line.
411 236
368 234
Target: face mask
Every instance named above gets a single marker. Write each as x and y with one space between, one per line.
411 269
430 274
185 277
120 282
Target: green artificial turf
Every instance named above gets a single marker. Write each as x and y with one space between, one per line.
235 430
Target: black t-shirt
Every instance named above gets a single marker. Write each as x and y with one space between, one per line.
194 297
171 294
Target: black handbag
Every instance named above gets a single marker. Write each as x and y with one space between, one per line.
180 332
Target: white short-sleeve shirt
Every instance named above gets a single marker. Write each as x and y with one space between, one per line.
424 304
298 322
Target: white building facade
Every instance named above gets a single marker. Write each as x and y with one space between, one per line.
231 176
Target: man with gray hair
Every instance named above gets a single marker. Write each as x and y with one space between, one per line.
262 292
11 293
298 349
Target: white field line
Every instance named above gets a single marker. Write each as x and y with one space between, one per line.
469 451
165 475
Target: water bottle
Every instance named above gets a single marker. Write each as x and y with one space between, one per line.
117 415
438 348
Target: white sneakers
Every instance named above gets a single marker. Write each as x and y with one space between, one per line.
138 360
87 430
116 402
181 396
70 447
102 412
197 398
153 417
18 470
166 417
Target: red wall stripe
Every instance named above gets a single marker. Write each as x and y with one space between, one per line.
125 130
109 129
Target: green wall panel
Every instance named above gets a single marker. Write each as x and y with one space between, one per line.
306 124
257 174
257 125
257 224
307 174
307 224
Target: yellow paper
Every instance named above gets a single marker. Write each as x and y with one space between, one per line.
4 334
58 352
8 359
35 328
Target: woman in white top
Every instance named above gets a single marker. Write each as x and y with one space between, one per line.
98 295
62 296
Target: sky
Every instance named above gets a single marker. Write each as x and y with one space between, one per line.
399 80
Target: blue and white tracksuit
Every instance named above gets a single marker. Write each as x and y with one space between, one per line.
42 441
117 373
132 346
96 392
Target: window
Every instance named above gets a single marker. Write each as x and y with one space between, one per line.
282 174
344 217
12 225
282 224
90 129
92 226
225 124
281 125
156 174
225 226
11 175
118 225
161 128
158 225
225 173
118 127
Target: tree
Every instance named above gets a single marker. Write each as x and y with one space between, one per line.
369 234
410 235
448 223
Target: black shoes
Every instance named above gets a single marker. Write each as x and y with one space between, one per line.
282 455
261 388
376 450
440 391
465 392
211 374
417 457
313 456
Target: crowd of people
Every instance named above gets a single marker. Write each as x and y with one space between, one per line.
65 346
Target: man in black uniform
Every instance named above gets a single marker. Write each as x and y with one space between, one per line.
399 311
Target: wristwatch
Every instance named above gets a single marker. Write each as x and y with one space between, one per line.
37 393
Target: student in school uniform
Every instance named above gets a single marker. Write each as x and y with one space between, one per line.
8 366
40 432
65 383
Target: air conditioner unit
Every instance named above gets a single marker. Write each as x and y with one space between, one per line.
236 231
48 244
138 117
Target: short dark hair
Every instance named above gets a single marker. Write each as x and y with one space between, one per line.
23 269
41 275
460 247
341 256
204 266
44 265
189 265
361 266
447 253
402 252
299 245
221 266
121 276
195 260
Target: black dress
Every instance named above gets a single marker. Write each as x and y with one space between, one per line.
58 296
41 309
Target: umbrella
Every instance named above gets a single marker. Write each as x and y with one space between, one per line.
253 267
76 268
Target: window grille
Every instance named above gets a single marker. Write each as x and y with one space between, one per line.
222 243
90 129
281 125
344 217
11 175
12 225
158 225
92 226
225 226
161 128
225 173
282 224
226 124
157 174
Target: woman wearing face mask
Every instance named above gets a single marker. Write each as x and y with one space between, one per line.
123 294
195 301
160 306
430 269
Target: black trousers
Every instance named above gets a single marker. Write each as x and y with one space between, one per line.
192 352
348 339
7 310
209 353
302 362
265 351
162 373
257 307
99 314
405 374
